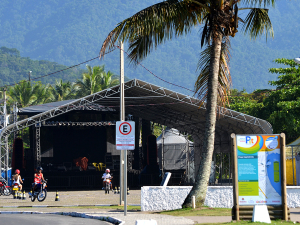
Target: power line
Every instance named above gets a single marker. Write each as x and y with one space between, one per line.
153 73
56 71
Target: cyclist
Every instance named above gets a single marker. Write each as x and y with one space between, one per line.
38 178
105 176
17 179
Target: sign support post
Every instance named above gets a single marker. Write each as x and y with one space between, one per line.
283 177
122 118
235 177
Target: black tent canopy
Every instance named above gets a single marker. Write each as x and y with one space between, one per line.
157 104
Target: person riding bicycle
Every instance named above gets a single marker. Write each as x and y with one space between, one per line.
17 179
38 178
105 176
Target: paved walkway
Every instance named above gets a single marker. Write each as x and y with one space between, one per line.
69 199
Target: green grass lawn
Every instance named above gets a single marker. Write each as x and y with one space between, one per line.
273 222
204 211
114 207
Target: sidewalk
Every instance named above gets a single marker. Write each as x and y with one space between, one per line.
69 199
88 199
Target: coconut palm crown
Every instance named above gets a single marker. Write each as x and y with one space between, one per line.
218 20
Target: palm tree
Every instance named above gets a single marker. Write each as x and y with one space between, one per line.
163 21
24 93
95 80
63 90
107 80
90 82
43 94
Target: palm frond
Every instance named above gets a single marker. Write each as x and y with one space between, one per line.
224 78
257 22
152 26
258 3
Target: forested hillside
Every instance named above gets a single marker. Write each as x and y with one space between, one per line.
14 68
72 31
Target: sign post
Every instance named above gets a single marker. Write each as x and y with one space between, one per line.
125 140
122 118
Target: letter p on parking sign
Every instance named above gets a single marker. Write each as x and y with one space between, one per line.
125 135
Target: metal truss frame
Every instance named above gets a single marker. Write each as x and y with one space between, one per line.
83 103
70 123
184 117
38 145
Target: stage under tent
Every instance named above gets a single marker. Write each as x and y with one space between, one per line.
64 134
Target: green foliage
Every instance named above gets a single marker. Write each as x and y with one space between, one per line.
24 93
63 91
280 107
14 68
95 80
156 129
243 102
27 93
90 81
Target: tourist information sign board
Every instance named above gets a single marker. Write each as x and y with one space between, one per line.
125 135
259 169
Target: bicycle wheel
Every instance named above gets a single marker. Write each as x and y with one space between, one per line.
42 195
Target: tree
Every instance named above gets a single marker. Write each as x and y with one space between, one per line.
90 82
43 94
63 90
94 80
172 18
24 93
282 106
250 104
107 80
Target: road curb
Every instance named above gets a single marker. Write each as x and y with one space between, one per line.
73 214
59 206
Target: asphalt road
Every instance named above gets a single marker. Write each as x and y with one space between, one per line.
46 219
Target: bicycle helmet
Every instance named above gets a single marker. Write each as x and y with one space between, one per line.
17 171
39 168
107 170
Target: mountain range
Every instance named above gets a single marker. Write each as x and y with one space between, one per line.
72 31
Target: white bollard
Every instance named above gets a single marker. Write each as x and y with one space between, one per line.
146 222
193 202
261 214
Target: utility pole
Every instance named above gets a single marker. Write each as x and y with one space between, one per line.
29 75
122 118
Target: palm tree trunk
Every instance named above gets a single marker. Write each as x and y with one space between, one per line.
201 182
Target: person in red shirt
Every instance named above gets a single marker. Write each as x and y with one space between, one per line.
38 178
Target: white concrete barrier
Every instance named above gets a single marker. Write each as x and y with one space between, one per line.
222 196
156 198
219 197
